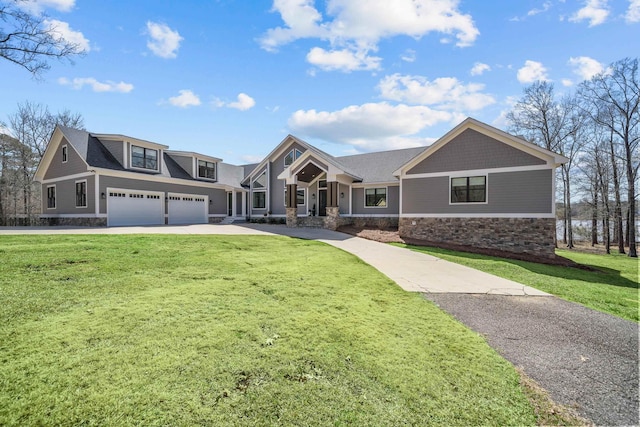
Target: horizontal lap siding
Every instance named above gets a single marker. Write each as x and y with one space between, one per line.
72 166
393 199
473 150
217 197
508 193
66 197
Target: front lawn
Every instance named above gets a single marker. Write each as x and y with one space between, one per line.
611 286
231 330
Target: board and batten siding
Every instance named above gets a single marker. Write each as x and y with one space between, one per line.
72 166
523 192
393 200
276 186
66 197
474 150
217 196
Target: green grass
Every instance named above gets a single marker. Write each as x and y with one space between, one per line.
611 288
221 330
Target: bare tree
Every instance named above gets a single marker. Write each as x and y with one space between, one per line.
28 40
32 125
555 126
613 99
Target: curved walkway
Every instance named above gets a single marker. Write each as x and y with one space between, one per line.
585 359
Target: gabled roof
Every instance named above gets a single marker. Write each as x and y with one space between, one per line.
193 154
495 133
288 140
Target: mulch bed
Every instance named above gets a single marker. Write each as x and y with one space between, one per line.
390 235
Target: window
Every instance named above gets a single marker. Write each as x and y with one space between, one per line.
64 154
51 197
260 181
144 158
322 183
375 197
300 199
81 194
206 169
259 199
291 157
470 189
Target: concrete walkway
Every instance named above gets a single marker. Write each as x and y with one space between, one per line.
412 271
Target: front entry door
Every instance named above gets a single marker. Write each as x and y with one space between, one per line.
322 202
229 204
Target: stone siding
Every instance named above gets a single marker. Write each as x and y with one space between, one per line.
534 236
216 219
74 222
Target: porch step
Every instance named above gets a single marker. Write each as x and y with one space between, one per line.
231 220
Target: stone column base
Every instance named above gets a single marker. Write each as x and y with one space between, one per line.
332 218
292 217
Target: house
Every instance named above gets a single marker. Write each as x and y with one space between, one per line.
476 186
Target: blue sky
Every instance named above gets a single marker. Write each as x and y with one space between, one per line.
231 78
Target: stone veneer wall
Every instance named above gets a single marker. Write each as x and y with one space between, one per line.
74 222
216 219
533 236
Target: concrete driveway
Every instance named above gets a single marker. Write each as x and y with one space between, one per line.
412 271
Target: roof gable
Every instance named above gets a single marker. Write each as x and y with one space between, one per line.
544 156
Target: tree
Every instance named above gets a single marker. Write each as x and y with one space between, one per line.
29 41
555 126
613 102
31 125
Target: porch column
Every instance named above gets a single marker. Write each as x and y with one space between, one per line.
292 205
234 196
244 204
333 211
332 194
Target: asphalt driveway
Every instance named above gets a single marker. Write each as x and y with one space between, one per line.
585 359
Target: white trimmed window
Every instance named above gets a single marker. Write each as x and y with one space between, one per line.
65 154
259 196
300 196
291 157
206 170
144 158
51 197
81 194
375 197
469 189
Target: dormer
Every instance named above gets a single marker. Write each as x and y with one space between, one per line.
197 165
134 154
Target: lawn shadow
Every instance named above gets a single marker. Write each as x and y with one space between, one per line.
584 272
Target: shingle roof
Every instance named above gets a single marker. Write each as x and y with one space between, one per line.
379 166
90 149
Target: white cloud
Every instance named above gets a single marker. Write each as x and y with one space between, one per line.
38 6
186 98
446 93
545 6
585 67
63 31
633 12
164 42
594 11
372 126
96 86
409 55
531 72
243 103
567 82
479 68
342 60
358 25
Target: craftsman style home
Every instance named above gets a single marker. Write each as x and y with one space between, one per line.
476 186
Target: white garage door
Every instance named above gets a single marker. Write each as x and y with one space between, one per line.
188 209
133 207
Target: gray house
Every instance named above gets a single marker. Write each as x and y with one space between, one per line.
476 186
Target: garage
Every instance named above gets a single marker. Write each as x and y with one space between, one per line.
134 207
188 208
